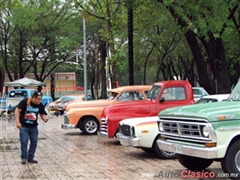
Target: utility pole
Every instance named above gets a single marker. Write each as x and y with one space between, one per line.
85 60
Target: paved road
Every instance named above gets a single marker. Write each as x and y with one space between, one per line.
69 154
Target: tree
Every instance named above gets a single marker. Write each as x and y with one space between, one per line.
37 37
206 43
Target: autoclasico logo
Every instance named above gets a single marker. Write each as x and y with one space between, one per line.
198 174
186 174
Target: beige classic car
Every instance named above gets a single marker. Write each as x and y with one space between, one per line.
86 115
62 102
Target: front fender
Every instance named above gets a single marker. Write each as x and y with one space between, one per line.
76 114
147 132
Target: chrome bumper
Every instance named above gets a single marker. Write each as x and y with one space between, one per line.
128 140
68 126
102 134
189 150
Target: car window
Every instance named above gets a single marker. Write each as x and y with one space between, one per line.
153 94
197 91
18 94
174 93
130 96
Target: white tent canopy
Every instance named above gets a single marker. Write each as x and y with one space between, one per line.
24 82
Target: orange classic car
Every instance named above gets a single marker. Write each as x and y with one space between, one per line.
86 115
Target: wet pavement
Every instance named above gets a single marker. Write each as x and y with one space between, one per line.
69 154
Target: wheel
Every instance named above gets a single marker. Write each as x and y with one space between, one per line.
194 163
163 154
90 126
147 150
231 162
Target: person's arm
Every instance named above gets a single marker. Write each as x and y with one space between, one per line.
44 117
17 118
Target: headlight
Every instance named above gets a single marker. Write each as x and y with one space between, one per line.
205 131
160 127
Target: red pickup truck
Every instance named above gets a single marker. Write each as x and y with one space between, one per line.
163 95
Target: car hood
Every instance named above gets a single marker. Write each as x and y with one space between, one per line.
139 120
89 103
229 110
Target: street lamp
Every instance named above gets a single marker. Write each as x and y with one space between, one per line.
85 59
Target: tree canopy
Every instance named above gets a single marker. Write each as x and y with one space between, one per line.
191 40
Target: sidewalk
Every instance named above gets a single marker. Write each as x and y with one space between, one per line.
68 154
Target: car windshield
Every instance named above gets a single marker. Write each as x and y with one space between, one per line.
153 94
196 92
235 95
68 98
206 100
113 95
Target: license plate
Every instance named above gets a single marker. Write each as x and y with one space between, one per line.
178 148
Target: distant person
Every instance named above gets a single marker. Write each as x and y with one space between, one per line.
26 116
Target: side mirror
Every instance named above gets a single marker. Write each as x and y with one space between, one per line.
162 99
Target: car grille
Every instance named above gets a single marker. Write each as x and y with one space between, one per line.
104 125
184 128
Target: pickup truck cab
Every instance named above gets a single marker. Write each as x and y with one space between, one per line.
203 133
86 115
163 95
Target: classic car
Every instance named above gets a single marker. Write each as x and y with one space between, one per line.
142 133
62 102
213 98
163 95
199 92
203 133
86 115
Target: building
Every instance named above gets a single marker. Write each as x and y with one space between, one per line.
65 83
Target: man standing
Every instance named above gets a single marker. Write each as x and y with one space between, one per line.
26 116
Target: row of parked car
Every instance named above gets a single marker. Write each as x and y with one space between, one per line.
154 118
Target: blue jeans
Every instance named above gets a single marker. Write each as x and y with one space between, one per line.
25 134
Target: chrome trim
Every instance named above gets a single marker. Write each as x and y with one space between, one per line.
228 128
189 150
193 131
102 134
68 126
174 118
128 140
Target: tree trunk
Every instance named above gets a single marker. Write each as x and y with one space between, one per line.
96 71
103 54
52 85
130 43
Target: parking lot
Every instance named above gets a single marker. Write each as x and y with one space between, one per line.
69 154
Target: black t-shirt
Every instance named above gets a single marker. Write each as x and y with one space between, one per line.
29 114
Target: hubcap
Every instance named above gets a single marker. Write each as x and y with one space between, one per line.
237 160
91 126
167 153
